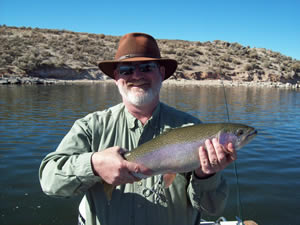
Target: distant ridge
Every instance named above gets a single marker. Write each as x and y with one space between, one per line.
67 55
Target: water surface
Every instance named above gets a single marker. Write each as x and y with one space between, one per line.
34 119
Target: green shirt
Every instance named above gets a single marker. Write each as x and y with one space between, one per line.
68 171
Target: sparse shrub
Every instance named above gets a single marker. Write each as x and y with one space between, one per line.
226 58
2 62
93 60
179 52
254 55
215 52
186 67
69 50
203 61
28 48
198 52
195 63
198 43
219 71
267 65
169 51
236 62
191 53
48 62
223 65
249 67
283 68
7 58
274 54
82 41
296 67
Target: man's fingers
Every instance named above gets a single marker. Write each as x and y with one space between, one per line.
215 157
220 152
212 148
204 161
231 153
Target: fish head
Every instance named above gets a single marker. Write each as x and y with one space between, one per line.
238 134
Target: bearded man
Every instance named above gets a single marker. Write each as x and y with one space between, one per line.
91 154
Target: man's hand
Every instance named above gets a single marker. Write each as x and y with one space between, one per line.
214 158
114 169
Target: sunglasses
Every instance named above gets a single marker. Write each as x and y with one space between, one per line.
128 69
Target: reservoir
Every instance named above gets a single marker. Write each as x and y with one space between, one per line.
34 119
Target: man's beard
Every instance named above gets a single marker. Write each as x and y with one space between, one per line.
140 97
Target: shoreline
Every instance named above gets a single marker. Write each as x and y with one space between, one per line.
182 82
227 83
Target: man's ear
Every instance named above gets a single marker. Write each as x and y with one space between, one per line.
162 70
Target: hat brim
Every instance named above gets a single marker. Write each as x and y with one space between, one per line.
109 66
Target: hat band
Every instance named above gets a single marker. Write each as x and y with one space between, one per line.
133 56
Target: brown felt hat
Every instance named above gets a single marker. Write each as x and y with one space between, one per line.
137 47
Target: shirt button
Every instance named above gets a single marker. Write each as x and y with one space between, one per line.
140 183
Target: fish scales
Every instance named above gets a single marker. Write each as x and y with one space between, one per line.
176 135
177 149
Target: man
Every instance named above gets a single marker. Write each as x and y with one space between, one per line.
91 153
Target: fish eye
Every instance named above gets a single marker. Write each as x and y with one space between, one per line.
239 132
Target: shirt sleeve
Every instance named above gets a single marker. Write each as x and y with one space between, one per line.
208 195
68 170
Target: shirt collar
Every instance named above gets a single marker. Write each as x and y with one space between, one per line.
153 121
133 122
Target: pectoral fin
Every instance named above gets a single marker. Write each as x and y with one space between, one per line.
219 137
168 179
108 190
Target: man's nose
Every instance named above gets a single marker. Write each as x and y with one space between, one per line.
137 74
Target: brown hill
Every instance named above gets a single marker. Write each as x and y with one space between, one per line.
67 55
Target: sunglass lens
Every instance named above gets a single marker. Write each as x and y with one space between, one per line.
144 68
126 70
147 67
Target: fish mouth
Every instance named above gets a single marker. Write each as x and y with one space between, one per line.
252 134
249 137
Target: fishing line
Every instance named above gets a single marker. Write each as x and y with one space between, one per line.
239 204
225 98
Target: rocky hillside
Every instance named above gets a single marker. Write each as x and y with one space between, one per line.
67 55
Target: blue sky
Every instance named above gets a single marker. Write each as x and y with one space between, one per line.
270 24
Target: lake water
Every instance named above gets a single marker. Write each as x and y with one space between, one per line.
34 119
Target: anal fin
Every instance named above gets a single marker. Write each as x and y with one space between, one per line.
108 190
168 179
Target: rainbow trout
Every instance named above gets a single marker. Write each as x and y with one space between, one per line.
176 151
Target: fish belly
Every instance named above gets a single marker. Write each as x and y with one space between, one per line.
172 158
